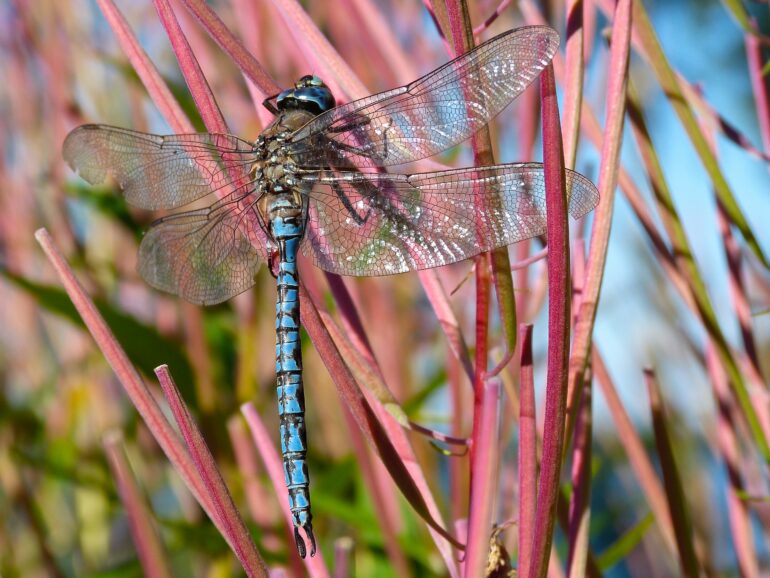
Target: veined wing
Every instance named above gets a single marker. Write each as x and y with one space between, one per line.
205 256
158 172
431 114
368 224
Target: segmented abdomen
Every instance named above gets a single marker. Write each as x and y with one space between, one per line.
288 368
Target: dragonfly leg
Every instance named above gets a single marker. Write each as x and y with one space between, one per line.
268 104
359 121
361 151
356 124
349 207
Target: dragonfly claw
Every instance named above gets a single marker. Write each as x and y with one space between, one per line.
301 548
300 543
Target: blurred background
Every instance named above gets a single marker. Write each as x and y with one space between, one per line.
61 65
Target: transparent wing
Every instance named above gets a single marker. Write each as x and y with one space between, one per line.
431 114
158 172
378 224
205 256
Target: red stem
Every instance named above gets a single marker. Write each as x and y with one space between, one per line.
558 326
527 452
234 529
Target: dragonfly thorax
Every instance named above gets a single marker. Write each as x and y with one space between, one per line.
280 197
275 170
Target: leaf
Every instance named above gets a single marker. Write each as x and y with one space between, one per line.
653 51
143 344
626 543
108 203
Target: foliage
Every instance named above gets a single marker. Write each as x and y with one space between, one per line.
591 474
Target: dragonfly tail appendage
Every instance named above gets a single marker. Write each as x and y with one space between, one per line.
291 398
308 527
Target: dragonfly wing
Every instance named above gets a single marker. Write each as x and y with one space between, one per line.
158 172
433 113
205 256
366 224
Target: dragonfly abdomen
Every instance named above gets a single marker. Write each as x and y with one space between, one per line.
287 232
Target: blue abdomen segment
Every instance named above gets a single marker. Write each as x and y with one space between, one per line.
287 232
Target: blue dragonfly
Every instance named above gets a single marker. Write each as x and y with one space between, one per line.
314 182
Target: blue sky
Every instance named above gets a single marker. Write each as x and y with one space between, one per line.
706 46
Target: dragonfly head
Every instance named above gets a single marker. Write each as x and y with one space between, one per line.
309 93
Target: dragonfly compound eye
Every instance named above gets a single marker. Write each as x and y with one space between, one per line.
309 80
312 98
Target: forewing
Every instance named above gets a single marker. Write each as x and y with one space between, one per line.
205 256
431 114
379 224
159 172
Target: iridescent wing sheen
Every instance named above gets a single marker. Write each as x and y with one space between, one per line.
159 172
431 114
366 224
205 256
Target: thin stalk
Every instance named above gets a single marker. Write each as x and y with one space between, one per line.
234 529
484 464
676 496
149 549
527 452
558 327
580 502
608 174
738 510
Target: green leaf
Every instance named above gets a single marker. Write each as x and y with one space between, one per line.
146 348
746 497
107 201
738 12
624 545
179 90
766 69
128 569
668 81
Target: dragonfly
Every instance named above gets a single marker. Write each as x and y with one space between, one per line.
314 182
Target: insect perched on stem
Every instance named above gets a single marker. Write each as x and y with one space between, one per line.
309 182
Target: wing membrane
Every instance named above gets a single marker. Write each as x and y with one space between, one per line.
367 224
431 114
205 256
158 172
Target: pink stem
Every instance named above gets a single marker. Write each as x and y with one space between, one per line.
580 506
491 18
438 436
484 464
233 47
527 452
145 69
128 376
524 263
608 175
343 558
729 448
149 549
235 531
193 75
558 326
573 79
272 460
759 86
